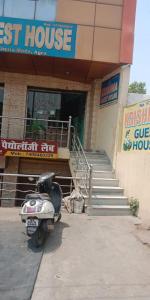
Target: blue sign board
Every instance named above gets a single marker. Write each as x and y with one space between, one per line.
110 90
37 37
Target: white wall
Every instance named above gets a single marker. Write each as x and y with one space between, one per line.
109 118
133 171
106 129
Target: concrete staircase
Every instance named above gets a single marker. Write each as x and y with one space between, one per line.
107 197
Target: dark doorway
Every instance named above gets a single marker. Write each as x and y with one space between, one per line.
73 104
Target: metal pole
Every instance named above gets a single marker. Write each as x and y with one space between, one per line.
24 128
8 129
71 186
61 135
90 185
69 131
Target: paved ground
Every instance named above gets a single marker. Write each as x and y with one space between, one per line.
89 258
85 258
19 261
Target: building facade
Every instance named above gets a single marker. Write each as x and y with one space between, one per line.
62 58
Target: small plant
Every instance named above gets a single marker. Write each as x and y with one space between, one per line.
37 129
134 206
37 126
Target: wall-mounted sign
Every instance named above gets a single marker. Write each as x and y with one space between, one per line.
28 148
37 37
136 127
110 90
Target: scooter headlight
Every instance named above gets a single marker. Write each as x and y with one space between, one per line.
32 202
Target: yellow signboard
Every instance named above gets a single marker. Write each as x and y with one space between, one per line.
31 154
136 127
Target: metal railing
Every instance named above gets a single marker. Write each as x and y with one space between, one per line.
36 129
14 187
55 130
82 169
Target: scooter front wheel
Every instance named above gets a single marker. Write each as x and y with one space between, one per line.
38 237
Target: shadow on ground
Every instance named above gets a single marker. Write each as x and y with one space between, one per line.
54 240
19 264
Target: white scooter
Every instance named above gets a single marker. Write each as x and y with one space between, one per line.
42 209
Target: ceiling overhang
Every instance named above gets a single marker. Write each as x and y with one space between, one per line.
72 69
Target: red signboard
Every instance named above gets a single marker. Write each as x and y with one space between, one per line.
28 148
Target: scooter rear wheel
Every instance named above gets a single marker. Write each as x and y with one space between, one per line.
38 237
59 218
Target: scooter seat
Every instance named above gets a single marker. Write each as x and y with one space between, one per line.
56 196
38 196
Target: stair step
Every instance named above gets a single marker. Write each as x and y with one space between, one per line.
105 181
96 156
108 210
102 167
103 174
105 200
104 196
99 174
100 152
94 153
90 162
107 190
91 155
98 161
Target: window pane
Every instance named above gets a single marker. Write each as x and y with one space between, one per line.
43 105
46 10
1 7
46 105
19 9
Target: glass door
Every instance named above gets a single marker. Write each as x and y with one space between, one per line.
44 107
